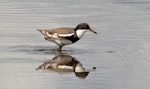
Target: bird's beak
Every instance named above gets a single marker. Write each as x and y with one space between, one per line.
92 31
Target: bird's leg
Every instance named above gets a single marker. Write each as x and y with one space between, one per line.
60 47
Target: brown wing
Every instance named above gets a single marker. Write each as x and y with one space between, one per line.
62 30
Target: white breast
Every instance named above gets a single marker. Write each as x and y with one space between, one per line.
80 32
79 68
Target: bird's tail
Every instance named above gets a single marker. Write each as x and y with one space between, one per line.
43 32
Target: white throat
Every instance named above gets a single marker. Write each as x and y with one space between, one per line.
80 32
79 68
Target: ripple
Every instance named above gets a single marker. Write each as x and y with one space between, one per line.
110 51
46 50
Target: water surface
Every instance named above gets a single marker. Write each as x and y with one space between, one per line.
120 51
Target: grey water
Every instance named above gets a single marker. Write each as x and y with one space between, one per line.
120 51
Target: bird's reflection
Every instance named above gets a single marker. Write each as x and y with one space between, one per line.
66 63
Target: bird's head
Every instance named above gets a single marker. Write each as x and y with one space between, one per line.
82 28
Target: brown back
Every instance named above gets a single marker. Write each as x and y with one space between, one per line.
61 30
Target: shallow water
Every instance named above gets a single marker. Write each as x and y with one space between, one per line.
120 51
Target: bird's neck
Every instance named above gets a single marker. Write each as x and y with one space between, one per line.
80 33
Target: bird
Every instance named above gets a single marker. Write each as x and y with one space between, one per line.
64 63
66 35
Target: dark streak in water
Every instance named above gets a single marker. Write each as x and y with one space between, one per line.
45 50
110 51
